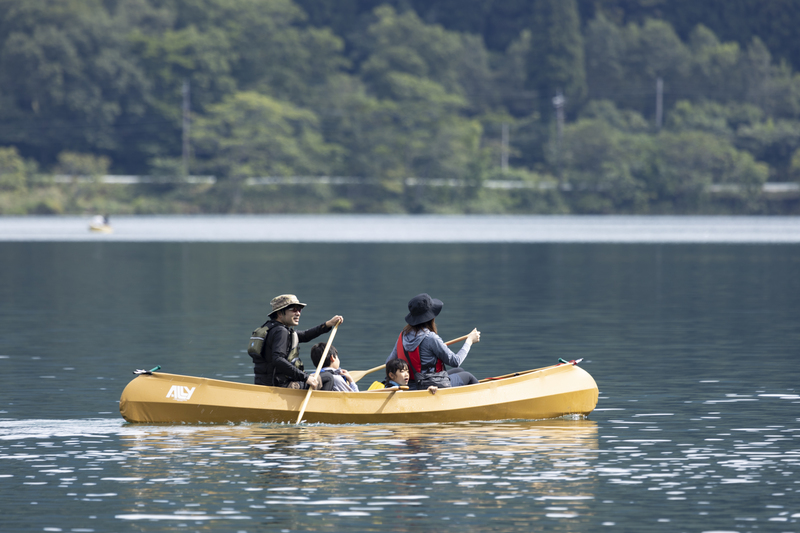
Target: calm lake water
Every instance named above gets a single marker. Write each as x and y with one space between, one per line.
693 342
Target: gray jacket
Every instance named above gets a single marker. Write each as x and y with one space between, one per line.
431 349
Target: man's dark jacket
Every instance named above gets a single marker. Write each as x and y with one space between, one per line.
274 369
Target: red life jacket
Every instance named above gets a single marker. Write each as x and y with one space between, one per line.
412 359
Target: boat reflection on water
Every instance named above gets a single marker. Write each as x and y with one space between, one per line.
488 471
502 437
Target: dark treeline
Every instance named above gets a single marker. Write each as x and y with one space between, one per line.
499 22
596 106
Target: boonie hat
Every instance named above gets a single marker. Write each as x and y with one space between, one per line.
283 301
423 308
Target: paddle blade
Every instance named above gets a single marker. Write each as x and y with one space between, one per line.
358 374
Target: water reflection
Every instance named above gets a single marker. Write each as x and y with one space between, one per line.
332 469
299 477
631 470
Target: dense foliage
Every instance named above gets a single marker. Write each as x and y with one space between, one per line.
662 102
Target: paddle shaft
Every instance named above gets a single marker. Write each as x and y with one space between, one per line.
358 374
316 372
461 338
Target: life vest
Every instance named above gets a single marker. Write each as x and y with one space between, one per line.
256 348
412 359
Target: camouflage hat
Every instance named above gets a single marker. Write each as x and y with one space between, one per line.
283 301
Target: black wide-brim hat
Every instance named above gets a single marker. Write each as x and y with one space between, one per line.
422 308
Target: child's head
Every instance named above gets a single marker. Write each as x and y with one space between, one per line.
332 359
397 371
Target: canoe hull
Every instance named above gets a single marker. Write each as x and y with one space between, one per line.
545 393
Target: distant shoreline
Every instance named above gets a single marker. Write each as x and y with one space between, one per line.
203 195
441 229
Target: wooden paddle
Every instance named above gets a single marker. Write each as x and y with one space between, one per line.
316 373
461 338
358 374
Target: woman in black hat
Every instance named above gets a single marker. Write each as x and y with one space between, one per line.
424 351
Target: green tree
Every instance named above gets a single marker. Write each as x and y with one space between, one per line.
402 44
89 165
66 75
556 59
363 125
419 135
250 134
689 162
794 166
775 21
715 66
605 165
772 141
624 120
655 50
13 171
774 88
623 63
713 117
511 74
221 47
272 50
406 117
606 51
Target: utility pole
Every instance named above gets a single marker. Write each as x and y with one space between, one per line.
504 149
659 102
185 128
558 103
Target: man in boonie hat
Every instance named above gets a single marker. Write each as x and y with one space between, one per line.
278 363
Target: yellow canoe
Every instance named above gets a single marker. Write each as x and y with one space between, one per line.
101 228
549 392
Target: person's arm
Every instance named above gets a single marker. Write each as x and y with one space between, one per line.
440 350
444 354
313 333
350 383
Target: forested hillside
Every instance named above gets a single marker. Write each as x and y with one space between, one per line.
590 106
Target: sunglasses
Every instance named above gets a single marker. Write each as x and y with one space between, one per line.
294 308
